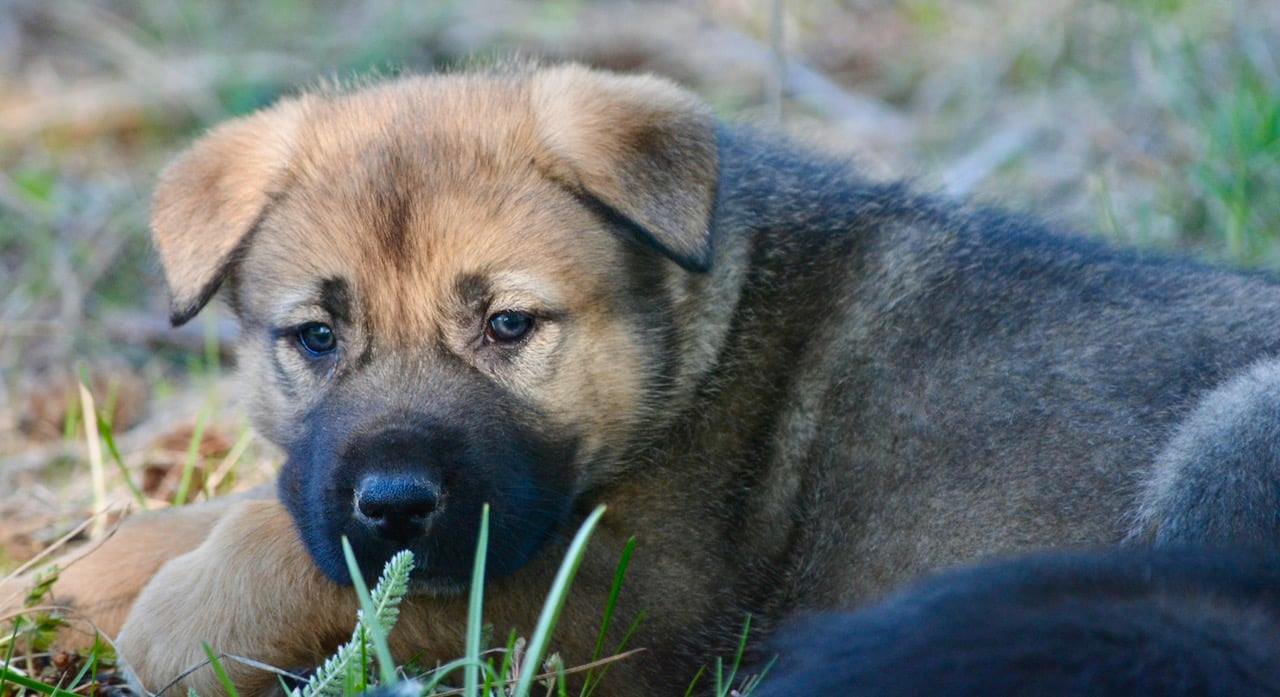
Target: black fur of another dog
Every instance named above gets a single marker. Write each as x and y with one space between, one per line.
1121 623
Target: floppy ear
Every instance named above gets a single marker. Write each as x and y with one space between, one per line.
639 146
211 197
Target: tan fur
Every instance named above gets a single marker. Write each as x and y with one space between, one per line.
481 203
594 124
402 189
100 581
203 209
250 590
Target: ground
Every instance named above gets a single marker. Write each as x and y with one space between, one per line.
1149 122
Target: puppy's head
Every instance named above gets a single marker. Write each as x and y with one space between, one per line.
453 290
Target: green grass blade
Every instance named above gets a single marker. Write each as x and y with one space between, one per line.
609 607
193 452
589 686
228 468
93 442
737 656
607 618
614 591
8 656
108 410
212 352
71 421
694 683
475 610
34 685
219 671
439 674
361 679
89 666
554 603
386 667
104 427
505 669
352 680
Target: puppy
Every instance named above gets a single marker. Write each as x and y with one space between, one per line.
550 289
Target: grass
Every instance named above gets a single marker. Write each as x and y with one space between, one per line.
189 465
475 609
378 614
348 671
593 679
104 429
223 679
541 638
34 629
1239 174
376 619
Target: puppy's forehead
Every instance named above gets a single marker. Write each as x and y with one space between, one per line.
406 191
461 121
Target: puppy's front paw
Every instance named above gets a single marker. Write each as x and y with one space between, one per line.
248 591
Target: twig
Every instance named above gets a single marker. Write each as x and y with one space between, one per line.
163 421
553 674
239 659
50 549
94 441
89 549
851 112
675 39
228 463
969 171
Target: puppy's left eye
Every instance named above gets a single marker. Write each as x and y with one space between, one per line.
317 338
508 326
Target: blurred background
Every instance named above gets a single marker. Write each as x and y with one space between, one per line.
1149 122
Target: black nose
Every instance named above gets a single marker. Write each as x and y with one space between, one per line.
396 507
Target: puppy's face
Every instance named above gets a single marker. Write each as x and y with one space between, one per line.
454 291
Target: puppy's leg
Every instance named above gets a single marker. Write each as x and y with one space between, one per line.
248 590
251 590
101 581
1217 482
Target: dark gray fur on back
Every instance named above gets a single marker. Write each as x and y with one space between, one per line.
907 383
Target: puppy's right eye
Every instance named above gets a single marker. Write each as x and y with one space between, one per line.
317 338
508 326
